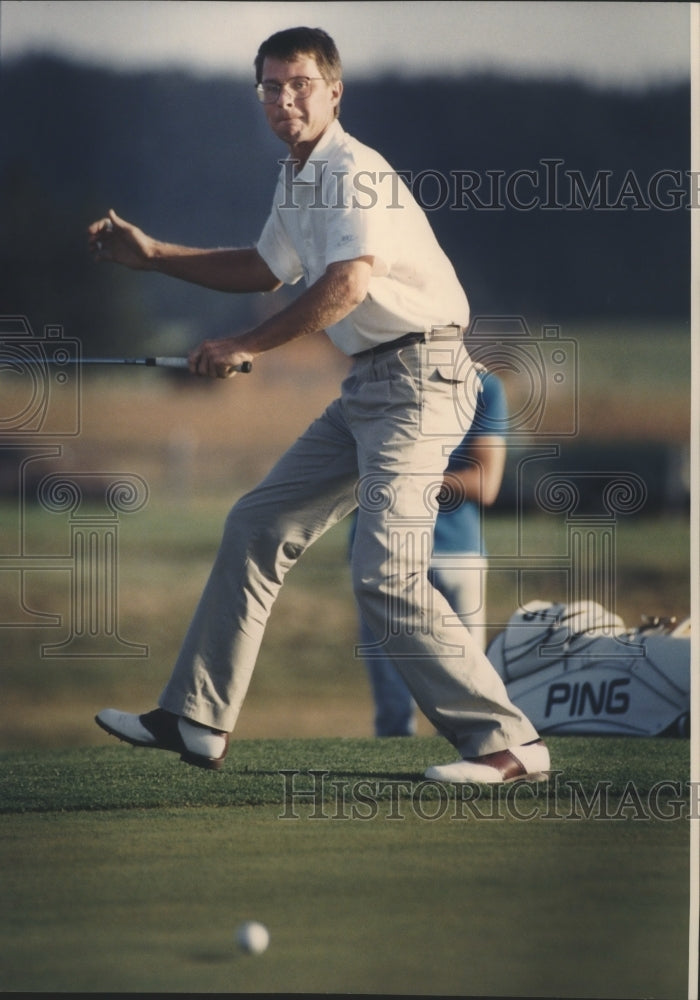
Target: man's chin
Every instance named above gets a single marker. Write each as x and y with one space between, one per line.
291 130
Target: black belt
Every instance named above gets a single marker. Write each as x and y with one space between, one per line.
449 332
392 345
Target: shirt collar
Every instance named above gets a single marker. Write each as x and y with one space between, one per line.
309 173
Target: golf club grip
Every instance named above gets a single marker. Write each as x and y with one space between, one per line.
246 367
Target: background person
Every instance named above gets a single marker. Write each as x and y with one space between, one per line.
383 290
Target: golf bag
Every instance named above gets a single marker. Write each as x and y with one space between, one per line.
577 669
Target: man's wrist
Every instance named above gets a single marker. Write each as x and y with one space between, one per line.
245 343
156 255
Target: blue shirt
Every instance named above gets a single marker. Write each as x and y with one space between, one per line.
460 529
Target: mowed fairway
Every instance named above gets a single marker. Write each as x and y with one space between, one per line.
125 870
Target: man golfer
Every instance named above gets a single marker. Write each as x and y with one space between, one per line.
381 287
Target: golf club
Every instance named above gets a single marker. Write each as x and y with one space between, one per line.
157 362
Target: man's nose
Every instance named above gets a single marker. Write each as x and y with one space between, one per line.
286 97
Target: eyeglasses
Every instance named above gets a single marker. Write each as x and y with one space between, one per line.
300 87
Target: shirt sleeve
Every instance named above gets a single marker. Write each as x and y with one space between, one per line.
359 221
491 416
490 419
276 249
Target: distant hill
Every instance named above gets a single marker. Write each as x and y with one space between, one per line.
555 201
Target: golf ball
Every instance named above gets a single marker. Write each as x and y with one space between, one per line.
253 937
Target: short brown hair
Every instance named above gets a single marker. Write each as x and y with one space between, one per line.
292 42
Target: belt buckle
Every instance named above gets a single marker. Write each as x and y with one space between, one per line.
450 332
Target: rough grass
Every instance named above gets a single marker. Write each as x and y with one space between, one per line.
308 681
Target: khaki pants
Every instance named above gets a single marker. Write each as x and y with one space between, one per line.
382 446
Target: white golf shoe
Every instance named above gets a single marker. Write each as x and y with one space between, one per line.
529 762
161 730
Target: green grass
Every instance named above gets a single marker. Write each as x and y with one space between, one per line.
125 870
145 903
621 358
115 776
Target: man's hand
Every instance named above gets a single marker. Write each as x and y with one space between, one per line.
114 239
223 269
216 358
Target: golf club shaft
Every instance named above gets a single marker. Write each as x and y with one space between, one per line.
158 362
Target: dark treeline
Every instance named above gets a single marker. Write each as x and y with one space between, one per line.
556 201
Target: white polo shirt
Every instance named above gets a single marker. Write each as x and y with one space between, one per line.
345 203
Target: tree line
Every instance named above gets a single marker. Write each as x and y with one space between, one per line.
558 202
